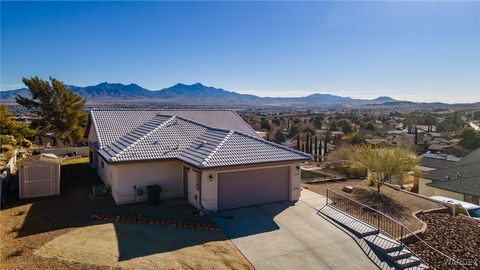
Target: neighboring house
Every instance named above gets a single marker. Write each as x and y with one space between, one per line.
212 158
434 161
460 180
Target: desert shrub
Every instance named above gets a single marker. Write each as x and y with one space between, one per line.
6 148
8 139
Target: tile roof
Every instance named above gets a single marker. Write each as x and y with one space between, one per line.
229 148
468 183
110 125
168 137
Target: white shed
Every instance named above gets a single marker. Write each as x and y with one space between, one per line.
39 176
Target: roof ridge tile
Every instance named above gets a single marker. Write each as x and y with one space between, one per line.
215 150
164 123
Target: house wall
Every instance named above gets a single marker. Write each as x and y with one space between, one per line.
92 141
106 172
167 174
209 186
193 187
425 190
209 190
295 184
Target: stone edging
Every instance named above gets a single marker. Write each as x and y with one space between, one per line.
412 237
156 221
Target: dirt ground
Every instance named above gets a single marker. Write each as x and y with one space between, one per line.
402 205
59 233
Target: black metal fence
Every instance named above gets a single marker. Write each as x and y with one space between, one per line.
377 219
392 228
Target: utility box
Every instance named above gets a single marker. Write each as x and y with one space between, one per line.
39 176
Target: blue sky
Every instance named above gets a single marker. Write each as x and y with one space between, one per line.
421 51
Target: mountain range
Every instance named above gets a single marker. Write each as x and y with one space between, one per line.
194 94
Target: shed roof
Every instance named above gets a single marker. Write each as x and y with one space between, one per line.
37 158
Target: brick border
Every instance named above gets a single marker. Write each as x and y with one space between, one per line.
156 221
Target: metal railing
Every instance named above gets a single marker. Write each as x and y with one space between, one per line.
392 228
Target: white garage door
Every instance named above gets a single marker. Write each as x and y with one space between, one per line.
244 188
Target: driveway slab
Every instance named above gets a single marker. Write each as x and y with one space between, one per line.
290 235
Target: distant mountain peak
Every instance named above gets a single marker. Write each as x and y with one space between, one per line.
385 99
197 93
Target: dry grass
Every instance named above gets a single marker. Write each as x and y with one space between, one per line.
71 161
28 225
397 204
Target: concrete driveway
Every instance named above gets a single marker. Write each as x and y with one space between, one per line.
292 236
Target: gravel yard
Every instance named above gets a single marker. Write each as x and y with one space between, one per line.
456 236
402 205
50 227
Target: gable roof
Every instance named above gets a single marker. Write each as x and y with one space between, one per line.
110 125
468 183
217 148
169 137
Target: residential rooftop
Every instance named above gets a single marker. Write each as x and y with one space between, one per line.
462 176
167 136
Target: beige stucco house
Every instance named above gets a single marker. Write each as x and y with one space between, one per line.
212 158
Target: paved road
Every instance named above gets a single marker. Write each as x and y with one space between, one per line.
292 236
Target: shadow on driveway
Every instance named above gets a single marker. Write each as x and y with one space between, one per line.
250 220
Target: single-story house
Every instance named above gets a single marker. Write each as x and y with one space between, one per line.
211 157
433 161
460 180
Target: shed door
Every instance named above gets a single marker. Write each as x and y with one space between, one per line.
39 181
244 188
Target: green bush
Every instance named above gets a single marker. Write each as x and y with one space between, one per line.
25 143
8 139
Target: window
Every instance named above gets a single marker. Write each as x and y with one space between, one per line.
471 199
103 164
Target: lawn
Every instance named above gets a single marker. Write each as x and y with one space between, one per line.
59 233
70 161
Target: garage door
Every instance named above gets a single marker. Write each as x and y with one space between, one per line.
244 188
